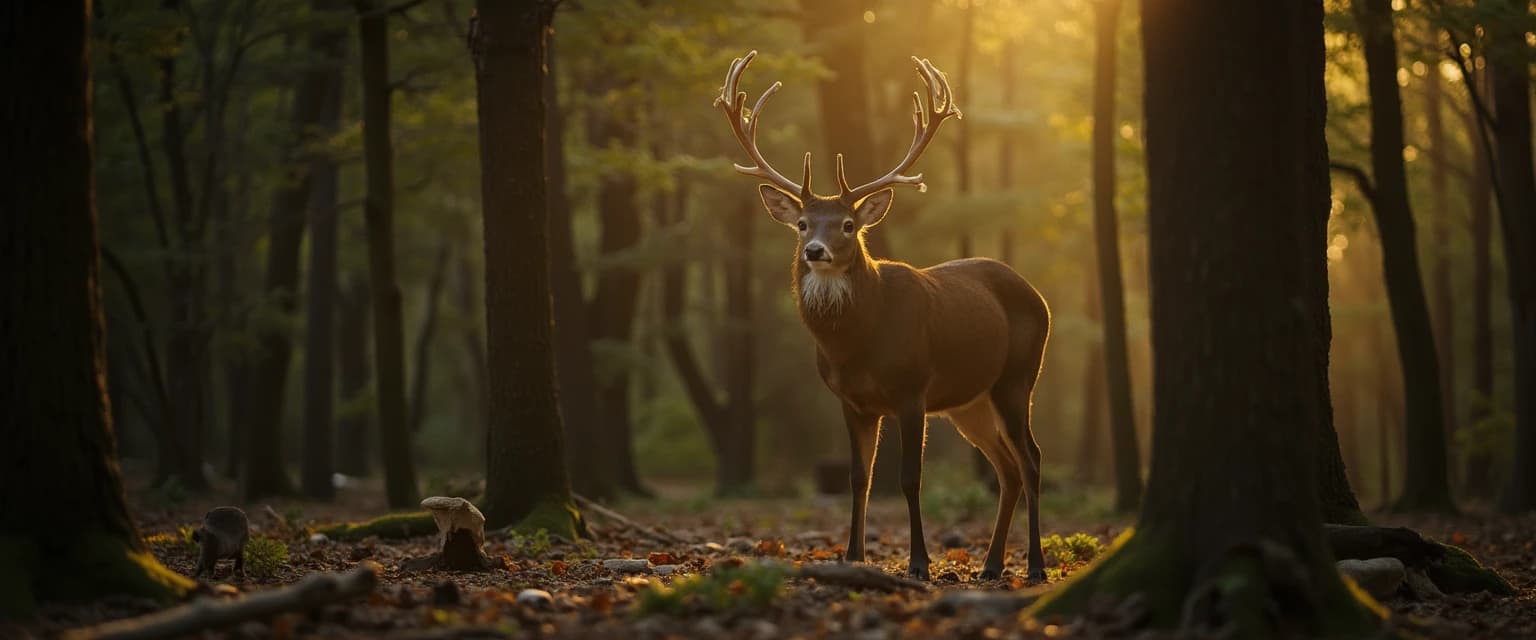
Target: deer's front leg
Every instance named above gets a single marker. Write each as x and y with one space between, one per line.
913 424
863 434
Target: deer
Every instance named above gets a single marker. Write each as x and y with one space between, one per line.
963 339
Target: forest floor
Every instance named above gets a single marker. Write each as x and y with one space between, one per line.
761 538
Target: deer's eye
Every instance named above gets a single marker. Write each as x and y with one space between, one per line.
847 226
802 225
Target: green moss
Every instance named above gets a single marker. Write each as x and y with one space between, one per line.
556 517
81 568
394 525
1459 572
1145 562
264 556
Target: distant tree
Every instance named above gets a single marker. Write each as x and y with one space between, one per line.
352 376
526 480
583 416
1509 77
1477 474
379 212
1106 231
1235 261
320 309
1426 482
67 533
1442 231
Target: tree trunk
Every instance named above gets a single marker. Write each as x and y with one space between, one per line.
1090 450
1442 229
352 426
526 482
388 325
614 306
1510 83
1106 231
320 310
1005 144
963 128
68 533
1231 498
835 31
597 458
474 344
1479 480
1426 485
263 427
421 382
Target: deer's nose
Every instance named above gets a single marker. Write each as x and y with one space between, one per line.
815 252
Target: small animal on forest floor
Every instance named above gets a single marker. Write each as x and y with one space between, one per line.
894 343
222 535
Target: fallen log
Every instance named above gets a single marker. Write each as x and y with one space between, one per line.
203 614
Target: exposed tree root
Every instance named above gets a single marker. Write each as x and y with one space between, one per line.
1451 568
313 592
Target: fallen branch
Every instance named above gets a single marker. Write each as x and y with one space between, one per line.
858 577
313 592
609 514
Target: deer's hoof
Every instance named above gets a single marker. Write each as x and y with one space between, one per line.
917 572
990 573
1036 575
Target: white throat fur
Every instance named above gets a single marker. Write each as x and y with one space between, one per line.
825 293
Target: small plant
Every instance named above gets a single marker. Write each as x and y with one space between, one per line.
264 556
749 586
585 550
181 540
1074 549
529 545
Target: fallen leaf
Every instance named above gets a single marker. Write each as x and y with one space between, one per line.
957 556
662 557
770 547
557 567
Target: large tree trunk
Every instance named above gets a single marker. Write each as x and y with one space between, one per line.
1235 254
1509 77
320 329
353 426
379 210
614 306
583 417
263 425
835 30
1426 483
526 482
68 533
1106 231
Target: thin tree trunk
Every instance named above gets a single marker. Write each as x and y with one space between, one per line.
963 134
835 29
1005 144
597 456
352 426
388 325
741 410
1426 484
526 480
320 309
1090 452
421 382
474 344
1442 228
69 537
1479 480
1509 65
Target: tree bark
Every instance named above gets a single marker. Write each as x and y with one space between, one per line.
320 309
58 431
1106 231
388 324
1509 77
835 31
1426 483
597 458
526 481
1442 229
1234 254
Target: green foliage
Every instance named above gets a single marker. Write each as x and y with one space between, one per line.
528 545
961 501
752 585
1487 441
1073 549
264 555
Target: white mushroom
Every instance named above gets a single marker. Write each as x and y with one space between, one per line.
456 513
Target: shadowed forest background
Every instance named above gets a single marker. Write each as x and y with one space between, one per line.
231 171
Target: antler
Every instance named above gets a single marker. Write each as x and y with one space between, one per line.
731 102
925 123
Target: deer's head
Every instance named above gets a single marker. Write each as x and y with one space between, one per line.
831 227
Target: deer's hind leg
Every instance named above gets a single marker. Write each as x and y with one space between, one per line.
1012 397
980 423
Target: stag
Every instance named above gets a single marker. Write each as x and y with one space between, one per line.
963 339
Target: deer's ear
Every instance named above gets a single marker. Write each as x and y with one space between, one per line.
784 207
872 209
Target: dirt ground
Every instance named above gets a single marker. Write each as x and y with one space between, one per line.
588 599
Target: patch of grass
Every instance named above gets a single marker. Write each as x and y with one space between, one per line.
749 586
180 540
528 545
264 556
1074 549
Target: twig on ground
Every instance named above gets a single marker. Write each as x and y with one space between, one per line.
312 592
609 514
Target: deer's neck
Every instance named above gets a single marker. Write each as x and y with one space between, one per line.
837 306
